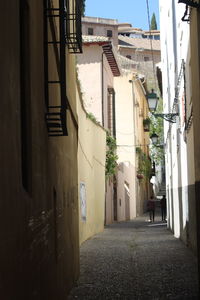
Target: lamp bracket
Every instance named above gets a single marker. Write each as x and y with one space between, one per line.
170 117
191 3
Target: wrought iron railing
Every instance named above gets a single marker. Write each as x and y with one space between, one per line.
73 26
55 66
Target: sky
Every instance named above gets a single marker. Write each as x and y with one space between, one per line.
125 11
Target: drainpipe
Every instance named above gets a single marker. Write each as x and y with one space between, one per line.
113 113
102 88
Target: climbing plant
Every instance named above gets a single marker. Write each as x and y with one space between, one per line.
157 151
111 156
144 163
92 118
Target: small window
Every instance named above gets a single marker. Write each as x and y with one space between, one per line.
109 33
128 56
90 31
146 58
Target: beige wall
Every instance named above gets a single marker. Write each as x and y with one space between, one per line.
125 135
91 173
39 252
142 140
93 80
126 195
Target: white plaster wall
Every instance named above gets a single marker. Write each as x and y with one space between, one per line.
174 48
90 75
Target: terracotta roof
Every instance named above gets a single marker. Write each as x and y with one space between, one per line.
145 44
108 49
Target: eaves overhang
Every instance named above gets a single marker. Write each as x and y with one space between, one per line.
109 53
108 50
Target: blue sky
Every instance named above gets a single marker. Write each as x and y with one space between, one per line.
129 11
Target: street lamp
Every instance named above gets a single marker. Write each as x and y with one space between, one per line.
154 138
190 3
152 100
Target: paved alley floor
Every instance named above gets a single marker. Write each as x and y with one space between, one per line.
136 260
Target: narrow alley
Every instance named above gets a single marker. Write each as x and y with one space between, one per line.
136 260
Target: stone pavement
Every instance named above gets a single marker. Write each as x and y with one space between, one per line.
136 260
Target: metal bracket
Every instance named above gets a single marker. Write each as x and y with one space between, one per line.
170 117
191 3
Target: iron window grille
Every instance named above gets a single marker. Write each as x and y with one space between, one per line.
73 26
55 67
62 26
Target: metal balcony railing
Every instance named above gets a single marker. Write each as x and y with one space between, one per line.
73 26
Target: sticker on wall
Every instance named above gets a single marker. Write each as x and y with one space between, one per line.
83 201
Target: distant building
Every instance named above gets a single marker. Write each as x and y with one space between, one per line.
126 29
141 47
109 85
144 54
101 27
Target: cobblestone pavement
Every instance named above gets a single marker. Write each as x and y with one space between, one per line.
136 260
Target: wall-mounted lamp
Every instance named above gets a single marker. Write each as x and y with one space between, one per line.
154 138
169 117
191 3
152 99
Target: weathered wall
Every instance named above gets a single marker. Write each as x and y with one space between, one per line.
39 249
95 78
91 173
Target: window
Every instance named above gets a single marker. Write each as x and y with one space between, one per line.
146 58
128 56
90 31
70 16
109 33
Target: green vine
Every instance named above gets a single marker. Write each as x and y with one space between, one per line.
157 152
111 156
144 163
92 118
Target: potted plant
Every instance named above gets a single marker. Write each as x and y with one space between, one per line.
146 124
140 176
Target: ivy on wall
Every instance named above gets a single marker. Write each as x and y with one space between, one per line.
111 156
144 163
156 126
